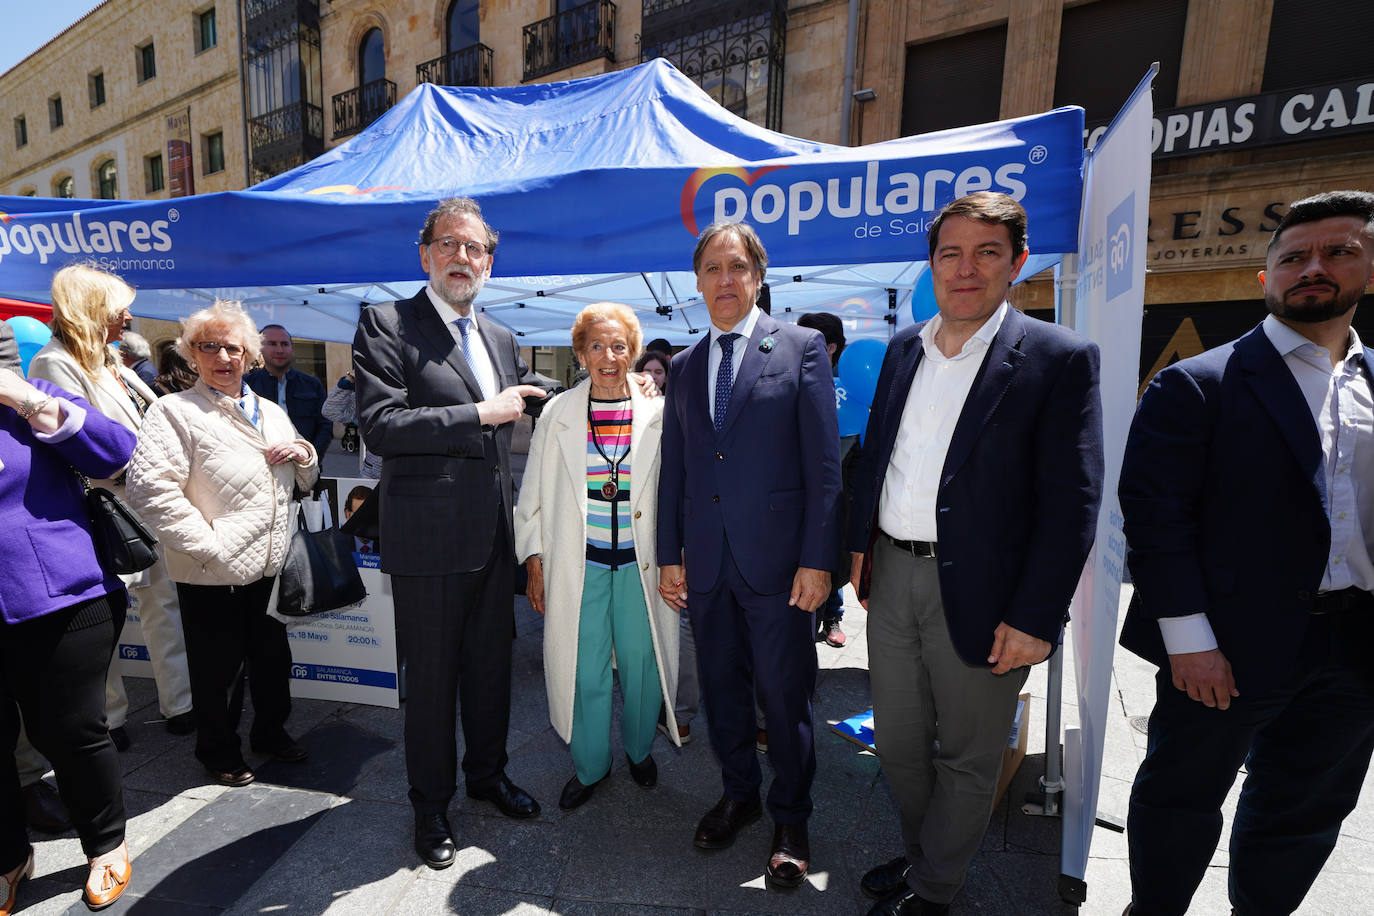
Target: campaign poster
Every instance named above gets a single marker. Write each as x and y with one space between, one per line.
347 655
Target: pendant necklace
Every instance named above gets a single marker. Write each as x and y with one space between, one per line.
611 487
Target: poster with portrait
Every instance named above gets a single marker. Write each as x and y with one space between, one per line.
347 655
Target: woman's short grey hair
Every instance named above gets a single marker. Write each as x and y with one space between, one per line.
224 315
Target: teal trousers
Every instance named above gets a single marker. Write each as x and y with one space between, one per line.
614 619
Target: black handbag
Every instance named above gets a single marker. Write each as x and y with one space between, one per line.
318 574
123 543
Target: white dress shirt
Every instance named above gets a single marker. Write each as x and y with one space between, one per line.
1342 404
906 508
745 329
481 359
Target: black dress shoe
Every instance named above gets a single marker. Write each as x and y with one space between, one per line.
885 879
576 793
906 902
434 840
510 798
183 724
644 773
120 736
719 825
43 809
791 842
289 752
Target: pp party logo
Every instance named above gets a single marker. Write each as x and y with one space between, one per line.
699 178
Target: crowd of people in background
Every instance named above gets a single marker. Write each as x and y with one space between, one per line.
692 519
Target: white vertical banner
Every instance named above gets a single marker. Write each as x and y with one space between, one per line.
348 655
1108 308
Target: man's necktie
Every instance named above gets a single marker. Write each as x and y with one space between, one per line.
464 326
725 378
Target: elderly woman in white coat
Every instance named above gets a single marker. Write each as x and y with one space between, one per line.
213 475
89 310
584 528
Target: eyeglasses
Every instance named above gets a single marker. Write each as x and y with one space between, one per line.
212 348
451 246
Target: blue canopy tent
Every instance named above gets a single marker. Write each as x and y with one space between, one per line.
598 187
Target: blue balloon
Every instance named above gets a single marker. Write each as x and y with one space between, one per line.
923 297
852 415
31 335
859 365
28 328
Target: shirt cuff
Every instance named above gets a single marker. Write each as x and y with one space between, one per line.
73 417
1190 633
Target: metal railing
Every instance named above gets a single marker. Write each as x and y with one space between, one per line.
264 16
358 107
295 129
580 34
470 66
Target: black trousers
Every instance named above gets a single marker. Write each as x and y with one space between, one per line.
1305 745
455 633
52 669
229 637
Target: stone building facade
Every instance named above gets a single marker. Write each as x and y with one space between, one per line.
1258 103
151 88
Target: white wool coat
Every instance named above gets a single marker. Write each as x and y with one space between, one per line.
200 479
551 520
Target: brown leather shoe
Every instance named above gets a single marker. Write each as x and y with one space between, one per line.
11 882
791 857
719 825
108 881
236 778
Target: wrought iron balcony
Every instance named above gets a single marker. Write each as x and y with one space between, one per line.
664 20
263 17
470 66
580 34
285 137
358 107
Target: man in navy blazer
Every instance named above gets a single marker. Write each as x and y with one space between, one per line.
974 506
748 490
1248 495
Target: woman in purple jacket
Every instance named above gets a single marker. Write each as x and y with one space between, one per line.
60 614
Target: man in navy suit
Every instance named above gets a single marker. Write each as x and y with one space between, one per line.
747 496
1248 495
974 505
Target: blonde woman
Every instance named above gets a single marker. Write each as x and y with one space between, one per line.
89 310
584 528
213 475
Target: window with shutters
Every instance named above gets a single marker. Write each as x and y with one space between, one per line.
1106 47
953 82
1317 41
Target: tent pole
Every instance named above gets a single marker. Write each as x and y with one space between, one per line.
1048 802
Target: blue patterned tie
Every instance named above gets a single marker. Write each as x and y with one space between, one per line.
482 382
725 378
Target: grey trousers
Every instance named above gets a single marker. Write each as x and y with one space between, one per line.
924 693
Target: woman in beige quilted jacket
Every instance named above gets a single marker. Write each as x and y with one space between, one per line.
213 476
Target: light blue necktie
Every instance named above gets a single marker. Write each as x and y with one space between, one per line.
463 327
725 378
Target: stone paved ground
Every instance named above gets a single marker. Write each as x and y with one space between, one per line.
333 835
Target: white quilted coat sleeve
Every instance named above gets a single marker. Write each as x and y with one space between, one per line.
158 475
